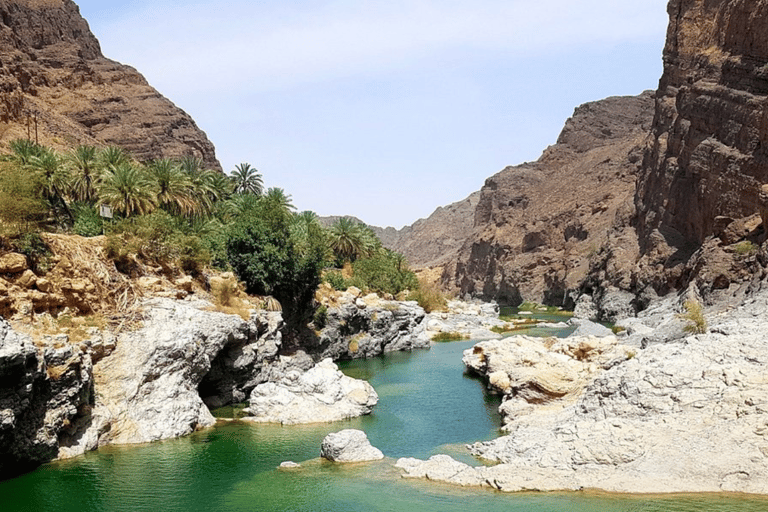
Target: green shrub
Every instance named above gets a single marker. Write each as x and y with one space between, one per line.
336 280
384 272
320 317
35 249
744 248
21 207
88 222
261 252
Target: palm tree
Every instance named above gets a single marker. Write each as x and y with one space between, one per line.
346 239
128 190
247 179
112 157
278 198
84 171
172 185
53 177
23 150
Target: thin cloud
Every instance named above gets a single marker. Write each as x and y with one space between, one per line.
261 46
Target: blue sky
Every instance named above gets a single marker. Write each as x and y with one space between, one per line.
383 109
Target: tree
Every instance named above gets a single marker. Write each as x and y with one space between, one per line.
112 157
128 190
247 179
53 177
83 167
172 185
279 199
346 240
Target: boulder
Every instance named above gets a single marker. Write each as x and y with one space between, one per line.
322 394
349 445
27 279
441 468
12 263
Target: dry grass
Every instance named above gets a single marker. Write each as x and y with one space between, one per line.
56 372
117 298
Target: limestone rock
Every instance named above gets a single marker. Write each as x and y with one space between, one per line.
42 394
687 416
353 332
589 328
12 263
349 445
148 387
321 394
441 468
528 370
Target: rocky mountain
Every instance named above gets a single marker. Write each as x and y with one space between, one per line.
433 241
640 196
57 87
538 226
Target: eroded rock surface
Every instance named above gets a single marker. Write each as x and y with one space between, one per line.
321 394
148 388
687 415
360 326
42 391
349 445
539 225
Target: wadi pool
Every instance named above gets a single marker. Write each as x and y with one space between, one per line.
427 405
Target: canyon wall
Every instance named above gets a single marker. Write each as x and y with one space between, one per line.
539 225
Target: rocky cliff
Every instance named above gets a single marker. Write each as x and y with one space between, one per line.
704 169
537 226
57 87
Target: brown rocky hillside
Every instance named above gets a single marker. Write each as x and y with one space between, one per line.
538 226
56 86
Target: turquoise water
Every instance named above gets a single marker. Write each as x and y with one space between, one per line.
427 405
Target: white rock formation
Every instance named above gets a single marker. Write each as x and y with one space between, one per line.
147 389
320 395
690 415
349 445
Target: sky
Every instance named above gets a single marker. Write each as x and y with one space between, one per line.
383 109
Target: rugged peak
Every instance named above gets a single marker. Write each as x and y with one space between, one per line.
37 24
57 87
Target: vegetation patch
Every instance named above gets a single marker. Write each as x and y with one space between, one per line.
694 315
429 296
449 336
745 248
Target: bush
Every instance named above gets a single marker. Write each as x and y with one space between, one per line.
320 317
384 272
88 222
159 238
21 206
261 252
336 280
429 297
745 247
32 246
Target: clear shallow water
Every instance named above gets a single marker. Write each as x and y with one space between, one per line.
426 406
